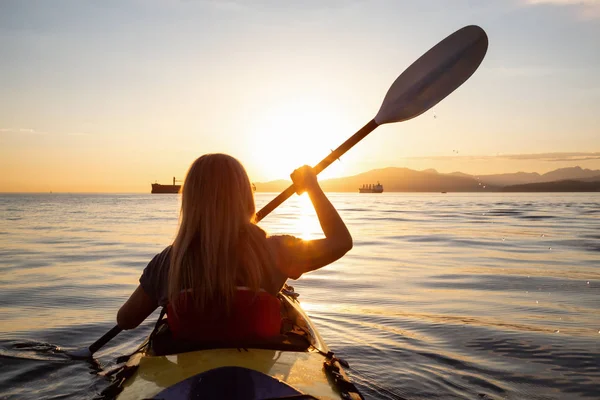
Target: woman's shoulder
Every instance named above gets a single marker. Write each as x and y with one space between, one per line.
284 244
285 249
156 275
163 258
283 240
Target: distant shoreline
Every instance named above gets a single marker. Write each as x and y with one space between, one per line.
326 191
405 180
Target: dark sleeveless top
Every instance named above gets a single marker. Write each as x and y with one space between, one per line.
155 277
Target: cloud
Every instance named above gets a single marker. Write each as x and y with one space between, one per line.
550 157
586 9
566 2
30 131
526 72
22 130
227 5
248 5
446 158
79 134
539 71
554 157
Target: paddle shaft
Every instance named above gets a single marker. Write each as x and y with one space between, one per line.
104 339
331 157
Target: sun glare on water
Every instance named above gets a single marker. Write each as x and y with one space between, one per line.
307 224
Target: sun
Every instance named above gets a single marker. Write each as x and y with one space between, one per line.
294 133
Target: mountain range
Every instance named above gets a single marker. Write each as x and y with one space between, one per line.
395 179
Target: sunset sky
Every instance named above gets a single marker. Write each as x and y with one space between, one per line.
110 96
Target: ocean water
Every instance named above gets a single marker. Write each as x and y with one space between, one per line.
461 296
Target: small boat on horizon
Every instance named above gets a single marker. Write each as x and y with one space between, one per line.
174 188
166 189
371 188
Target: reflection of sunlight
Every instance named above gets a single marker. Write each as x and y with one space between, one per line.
313 307
307 223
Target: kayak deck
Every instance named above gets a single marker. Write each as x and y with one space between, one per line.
297 364
301 370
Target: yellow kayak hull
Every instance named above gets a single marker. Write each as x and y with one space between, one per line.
302 370
308 371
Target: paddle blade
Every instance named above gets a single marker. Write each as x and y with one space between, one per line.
82 354
434 76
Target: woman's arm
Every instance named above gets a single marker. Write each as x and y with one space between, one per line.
136 309
308 255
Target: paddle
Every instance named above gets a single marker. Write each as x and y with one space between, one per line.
421 86
87 353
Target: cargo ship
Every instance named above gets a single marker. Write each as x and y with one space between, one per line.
172 189
371 188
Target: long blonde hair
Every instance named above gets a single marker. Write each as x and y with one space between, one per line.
218 245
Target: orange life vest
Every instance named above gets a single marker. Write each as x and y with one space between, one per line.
253 316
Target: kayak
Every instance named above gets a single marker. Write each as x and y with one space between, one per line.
295 365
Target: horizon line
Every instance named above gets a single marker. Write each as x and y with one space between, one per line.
288 180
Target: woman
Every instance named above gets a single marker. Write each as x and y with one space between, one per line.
220 255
